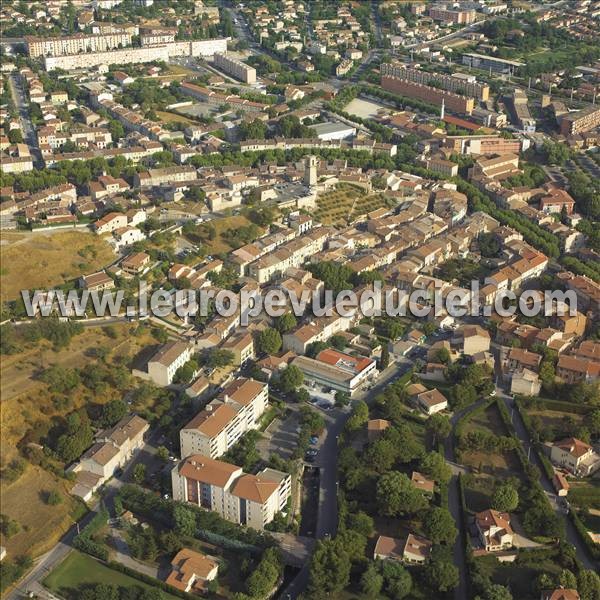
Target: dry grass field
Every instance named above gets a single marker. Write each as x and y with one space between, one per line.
41 260
342 206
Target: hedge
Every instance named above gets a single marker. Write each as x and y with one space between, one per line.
593 548
84 540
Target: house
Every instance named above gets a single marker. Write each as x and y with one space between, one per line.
472 339
573 369
270 365
135 263
429 401
575 456
163 365
416 549
110 222
420 482
375 428
494 530
525 382
244 499
223 421
415 336
97 282
388 548
560 594
519 359
113 448
198 388
241 345
191 570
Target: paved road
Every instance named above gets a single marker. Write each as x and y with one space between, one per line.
454 500
572 535
327 519
21 104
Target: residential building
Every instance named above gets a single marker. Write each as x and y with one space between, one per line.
223 421
97 282
457 83
494 530
429 401
573 369
472 339
575 456
163 365
561 594
578 122
110 222
75 44
190 571
238 69
375 428
452 14
135 263
242 347
244 499
519 359
156 177
412 550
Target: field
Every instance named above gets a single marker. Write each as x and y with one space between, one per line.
28 408
219 244
169 117
499 464
79 569
345 204
365 109
41 524
41 260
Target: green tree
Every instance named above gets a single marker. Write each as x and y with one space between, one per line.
269 341
398 582
139 473
291 378
588 585
381 455
162 453
53 498
439 526
361 522
184 520
439 426
371 582
329 569
434 466
286 322
442 576
396 495
505 498
113 412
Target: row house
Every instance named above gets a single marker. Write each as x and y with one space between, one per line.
573 369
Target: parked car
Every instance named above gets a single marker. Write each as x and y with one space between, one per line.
313 439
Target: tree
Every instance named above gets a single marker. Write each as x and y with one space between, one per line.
371 582
443 355
505 498
286 322
439 526
397 496
360 522
434 466
8 526
381 455
291 378
219 357
162 453
139 473
588 585
53 498
269 341
354 543
113 412
60 379
329 569
442 576
184 520
567 579
497 592
385 357
398 582
439 425
359 416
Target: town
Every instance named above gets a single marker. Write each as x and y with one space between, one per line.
443 150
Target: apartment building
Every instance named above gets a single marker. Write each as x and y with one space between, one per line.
451 14
155 36
232 66
580 121
482 144
521 111
458 83
432 95
223 421
77 43
163 365
156 177
496 167
251 500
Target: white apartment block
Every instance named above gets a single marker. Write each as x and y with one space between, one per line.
78 43
221 424
251 500
164 364
238 69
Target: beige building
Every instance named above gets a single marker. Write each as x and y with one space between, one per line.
494 530
576 456
238 69
472 339
163 365
76 44
251 500
191 570
222 422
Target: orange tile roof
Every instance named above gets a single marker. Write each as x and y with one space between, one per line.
253 488
201 468
212 420
187 566
573 446
243 391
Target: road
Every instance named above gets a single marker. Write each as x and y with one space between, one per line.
454 505
573 536
327 519
21 104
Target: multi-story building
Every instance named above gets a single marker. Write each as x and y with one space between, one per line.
238 69
244 499
155 36
76 44
580 121
448 13
482 144
432 95
521 111
576 456
494 530
163 365
223 421
465 85
155 177
491 63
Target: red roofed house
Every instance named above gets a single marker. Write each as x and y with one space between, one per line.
576 456
495 532
191 570
561 594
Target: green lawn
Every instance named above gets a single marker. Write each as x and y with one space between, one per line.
80 569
